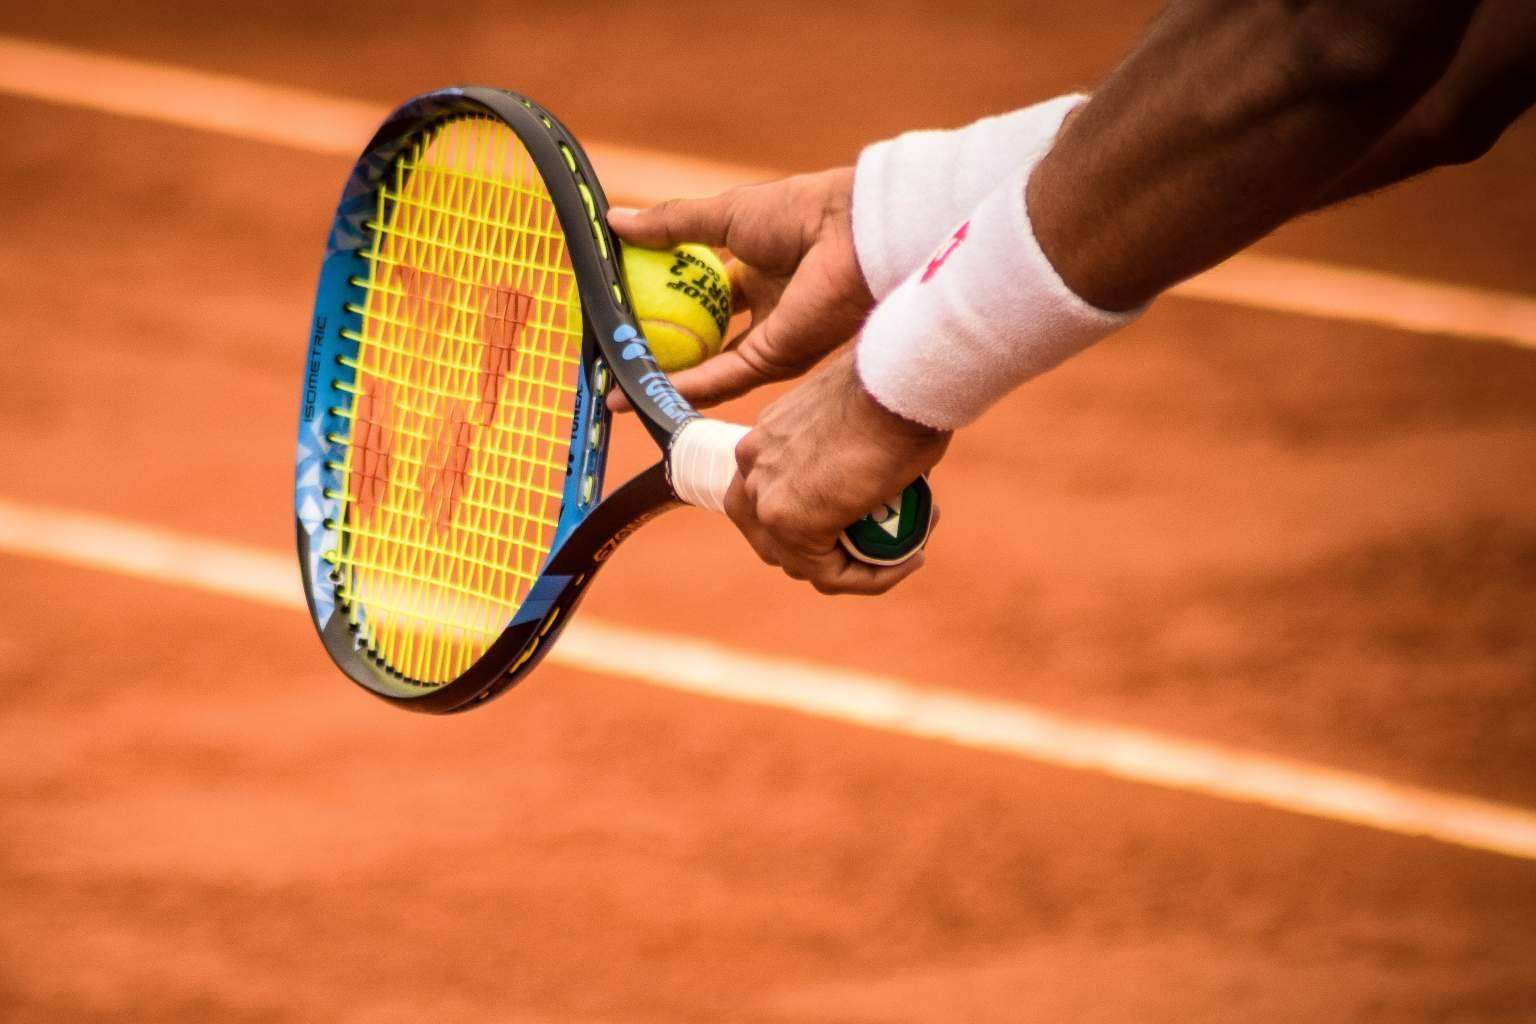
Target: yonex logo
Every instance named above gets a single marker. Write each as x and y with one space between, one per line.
668 402
888 518
636 347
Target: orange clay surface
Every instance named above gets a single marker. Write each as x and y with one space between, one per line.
1273 532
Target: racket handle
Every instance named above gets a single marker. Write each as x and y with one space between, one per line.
702 461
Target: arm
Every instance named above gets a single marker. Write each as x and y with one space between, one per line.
1225 122
1490 83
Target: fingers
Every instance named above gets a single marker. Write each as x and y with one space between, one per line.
746 365
829 569
833 572
728 375
738 507
676 221
723 376
737 272
836 573
719 379
818 459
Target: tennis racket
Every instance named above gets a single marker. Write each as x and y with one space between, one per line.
470 318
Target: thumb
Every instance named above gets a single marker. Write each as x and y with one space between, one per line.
722 378
713 381
675 221
755 359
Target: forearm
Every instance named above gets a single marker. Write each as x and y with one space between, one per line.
1227 121
1489 84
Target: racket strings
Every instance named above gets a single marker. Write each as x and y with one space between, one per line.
462 407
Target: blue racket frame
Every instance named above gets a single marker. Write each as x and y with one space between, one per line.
614 351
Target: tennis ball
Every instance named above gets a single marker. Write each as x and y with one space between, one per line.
682 300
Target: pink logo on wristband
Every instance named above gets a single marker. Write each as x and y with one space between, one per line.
945 251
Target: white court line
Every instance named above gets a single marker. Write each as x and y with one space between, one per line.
713 670
298 118
328 124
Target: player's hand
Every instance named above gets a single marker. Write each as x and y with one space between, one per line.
794 269
820 458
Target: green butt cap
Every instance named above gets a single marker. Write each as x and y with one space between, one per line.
894 533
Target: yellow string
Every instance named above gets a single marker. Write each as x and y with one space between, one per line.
461 412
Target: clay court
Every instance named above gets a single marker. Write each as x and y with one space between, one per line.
1216 701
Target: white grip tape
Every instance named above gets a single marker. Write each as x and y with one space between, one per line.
703 461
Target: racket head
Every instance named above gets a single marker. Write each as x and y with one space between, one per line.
470 316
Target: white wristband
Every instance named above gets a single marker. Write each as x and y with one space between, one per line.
909 192
985 313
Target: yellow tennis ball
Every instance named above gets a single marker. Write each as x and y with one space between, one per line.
682 302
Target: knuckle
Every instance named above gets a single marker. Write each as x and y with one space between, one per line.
763 357
738 511
747 452
751 492
775 514
670 214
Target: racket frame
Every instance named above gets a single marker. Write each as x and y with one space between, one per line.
614 351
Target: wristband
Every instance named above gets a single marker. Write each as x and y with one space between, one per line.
909 192
985 313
